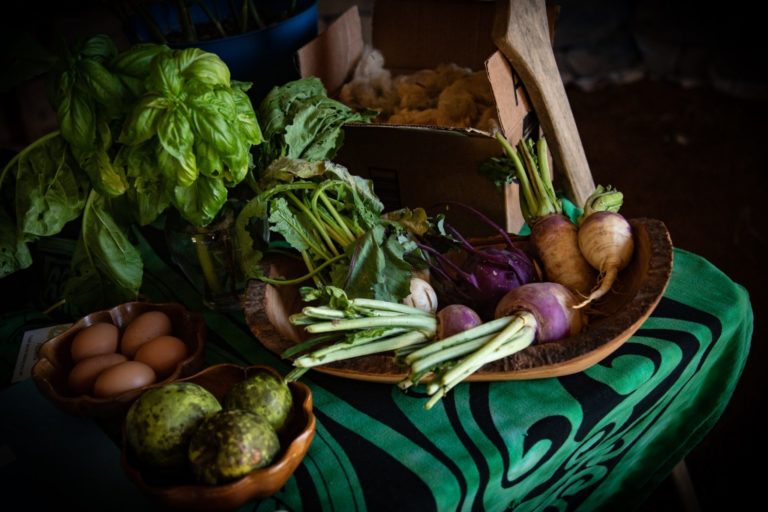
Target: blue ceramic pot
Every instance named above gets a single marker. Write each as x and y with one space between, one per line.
265 57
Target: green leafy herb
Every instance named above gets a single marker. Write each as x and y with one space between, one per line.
140 130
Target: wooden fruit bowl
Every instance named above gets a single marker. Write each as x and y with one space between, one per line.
612 320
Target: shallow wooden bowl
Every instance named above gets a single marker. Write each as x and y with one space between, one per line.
180 491
55 362
612 320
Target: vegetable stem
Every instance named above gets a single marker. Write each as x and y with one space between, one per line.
394 343
461 337
389 306
315 222
421 322
303 278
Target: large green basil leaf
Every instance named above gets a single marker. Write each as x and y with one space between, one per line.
214 119
248 124
99 47
98 82
143 120
175 134
237 164
205 67
209 161
164 76
77 118
149 191
135 61
106 268
14 254
106 178
50 189
200 202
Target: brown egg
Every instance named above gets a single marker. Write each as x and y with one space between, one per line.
123 377
99 338
162 354
142 329
84 373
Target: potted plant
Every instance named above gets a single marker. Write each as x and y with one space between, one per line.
256 39
142 131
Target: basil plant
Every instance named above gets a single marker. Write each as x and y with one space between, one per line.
139 131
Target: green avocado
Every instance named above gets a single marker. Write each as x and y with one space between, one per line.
263 394
231 444
160 423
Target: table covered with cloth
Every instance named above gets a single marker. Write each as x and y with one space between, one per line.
600 439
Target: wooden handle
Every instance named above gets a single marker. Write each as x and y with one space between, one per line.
521 33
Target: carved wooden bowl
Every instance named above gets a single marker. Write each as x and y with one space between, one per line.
612 320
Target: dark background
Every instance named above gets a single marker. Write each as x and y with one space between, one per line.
671 102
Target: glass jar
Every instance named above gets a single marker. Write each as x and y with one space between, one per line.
207 258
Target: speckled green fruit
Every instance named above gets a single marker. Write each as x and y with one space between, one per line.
231 444
160 423
263 394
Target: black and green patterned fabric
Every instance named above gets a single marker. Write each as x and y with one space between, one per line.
598 440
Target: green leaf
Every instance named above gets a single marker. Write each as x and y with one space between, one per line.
106 268
248 255
377 268
135 61
209 161
99 47
164 76
14 254
175 134
50 189
77 118
213 119
149 192
142 123
246 116
282 220
200 202
204 67
415 221
102 86
106 178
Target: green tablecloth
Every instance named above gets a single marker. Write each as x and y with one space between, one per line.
601 439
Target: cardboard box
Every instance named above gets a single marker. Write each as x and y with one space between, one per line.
423 165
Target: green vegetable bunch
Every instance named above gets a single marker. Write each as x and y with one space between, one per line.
334 221
139 131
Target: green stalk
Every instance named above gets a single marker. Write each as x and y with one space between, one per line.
206 265
315 222
24 152
308 262
256 17
462 337
421 322
384 305
334 231
521 340
212 17
305 345
320 193
519 320
322 353
244 16
185 20
546 172
403 340
452 352
303 278
525 185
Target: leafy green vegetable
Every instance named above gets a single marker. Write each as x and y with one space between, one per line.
140 131
301 122
106 268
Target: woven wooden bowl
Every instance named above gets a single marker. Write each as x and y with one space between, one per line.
613 320
55 362
182 493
